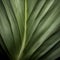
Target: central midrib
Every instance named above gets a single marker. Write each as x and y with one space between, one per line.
25 29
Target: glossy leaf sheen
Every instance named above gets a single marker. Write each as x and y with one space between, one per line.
30 29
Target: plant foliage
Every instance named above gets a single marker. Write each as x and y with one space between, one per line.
30 29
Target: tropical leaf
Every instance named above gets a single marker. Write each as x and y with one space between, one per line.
30 29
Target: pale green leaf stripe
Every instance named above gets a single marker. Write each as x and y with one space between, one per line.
25 29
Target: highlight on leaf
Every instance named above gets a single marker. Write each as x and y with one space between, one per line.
29 29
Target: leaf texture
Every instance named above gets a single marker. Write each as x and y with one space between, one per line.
30 29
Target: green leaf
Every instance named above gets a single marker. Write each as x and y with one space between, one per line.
30 29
